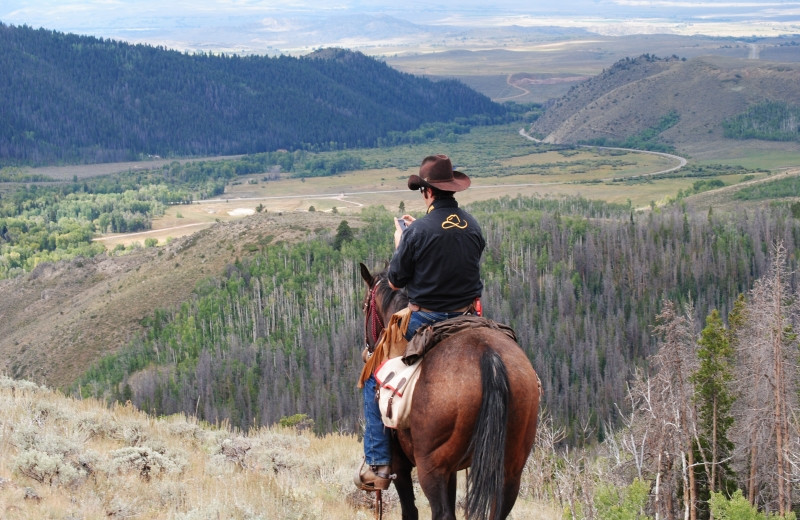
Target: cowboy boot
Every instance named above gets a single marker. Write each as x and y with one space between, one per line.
373 478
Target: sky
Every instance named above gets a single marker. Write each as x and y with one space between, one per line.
177 23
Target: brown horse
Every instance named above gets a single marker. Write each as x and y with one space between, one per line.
475 405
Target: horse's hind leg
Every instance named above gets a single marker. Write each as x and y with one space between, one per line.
441 493
510 493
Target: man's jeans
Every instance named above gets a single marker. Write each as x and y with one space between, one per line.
421 318
377 438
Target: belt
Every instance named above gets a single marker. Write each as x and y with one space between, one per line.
415 308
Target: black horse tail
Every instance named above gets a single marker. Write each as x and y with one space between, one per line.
488 443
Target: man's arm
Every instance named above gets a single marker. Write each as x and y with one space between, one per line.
400 268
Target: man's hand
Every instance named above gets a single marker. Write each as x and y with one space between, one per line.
398 229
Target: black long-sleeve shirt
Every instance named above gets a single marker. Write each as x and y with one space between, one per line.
438 258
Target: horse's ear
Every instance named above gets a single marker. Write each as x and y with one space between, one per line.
365 274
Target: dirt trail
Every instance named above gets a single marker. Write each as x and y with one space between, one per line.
680 160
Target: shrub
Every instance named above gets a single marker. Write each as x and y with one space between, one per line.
46 468
738 508
300 421
613 503
143 461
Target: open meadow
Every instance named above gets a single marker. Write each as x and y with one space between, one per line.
513 166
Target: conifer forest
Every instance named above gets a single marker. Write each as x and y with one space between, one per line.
581 282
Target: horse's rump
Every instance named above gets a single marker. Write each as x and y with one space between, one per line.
449 390
475 405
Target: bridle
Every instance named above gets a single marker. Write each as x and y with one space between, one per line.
373 318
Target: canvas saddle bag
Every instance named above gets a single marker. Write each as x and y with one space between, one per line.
396 382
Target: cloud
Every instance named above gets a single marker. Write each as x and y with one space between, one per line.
724 4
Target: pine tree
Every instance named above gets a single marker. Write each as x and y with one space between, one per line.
714 398
344 233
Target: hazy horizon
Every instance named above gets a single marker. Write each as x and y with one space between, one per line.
296 25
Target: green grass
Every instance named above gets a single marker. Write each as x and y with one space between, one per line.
751 157
500 162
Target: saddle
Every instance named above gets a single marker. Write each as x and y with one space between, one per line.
429 336
391 343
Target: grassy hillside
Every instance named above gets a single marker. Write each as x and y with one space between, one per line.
61 317
64 458
635 95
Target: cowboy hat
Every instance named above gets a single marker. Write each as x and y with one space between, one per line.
437 172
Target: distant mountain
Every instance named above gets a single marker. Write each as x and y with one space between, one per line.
680 103
69 98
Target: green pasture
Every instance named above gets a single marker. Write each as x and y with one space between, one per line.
775 160
500 162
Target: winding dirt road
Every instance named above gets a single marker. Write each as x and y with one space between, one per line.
680 160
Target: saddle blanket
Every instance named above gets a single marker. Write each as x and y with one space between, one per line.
396 382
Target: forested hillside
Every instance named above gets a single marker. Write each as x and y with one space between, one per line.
83 99
771 120
581 282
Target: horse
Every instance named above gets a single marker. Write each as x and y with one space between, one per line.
475 406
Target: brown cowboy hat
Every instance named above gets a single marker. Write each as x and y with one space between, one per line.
437 172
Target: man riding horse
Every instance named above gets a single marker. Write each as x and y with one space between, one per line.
437 261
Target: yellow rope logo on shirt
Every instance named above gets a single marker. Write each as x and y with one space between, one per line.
453 221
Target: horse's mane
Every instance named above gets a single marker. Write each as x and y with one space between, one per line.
392 300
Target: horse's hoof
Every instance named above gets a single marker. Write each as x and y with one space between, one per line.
370 479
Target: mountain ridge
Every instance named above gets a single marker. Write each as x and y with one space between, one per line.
80 99
631 97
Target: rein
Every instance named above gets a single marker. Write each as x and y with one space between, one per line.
374 318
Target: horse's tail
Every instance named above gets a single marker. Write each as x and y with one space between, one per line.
488 443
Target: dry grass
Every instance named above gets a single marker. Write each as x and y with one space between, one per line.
69 459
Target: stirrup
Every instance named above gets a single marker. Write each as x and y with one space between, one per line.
368 479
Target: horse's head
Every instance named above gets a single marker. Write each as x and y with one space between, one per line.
380 302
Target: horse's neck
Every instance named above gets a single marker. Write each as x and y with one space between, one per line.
397 301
